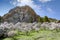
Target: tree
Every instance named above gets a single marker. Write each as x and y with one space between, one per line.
46 19
39 19
1 19
58 21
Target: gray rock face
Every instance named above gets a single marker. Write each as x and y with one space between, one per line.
20 14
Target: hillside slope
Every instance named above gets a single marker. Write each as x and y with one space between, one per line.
20 14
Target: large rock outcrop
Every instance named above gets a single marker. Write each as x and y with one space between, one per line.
20 14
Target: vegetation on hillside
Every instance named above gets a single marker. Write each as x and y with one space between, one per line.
34 35
1 19
46 19
39 19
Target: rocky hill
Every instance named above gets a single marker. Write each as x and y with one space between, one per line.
21 14
24 14
24 22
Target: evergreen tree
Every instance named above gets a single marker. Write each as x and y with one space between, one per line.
46 19
0 18
58 21
39 19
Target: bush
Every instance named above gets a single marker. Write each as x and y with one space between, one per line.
0 19
46 19
39 19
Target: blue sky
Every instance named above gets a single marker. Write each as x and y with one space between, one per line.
50 8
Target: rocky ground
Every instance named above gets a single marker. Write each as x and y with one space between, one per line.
10 29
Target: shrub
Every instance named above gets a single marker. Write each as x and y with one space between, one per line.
39 19
46 19
1 19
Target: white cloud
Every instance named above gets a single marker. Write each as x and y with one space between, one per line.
37 8
25 2
44 1
30 3
13 2
49 10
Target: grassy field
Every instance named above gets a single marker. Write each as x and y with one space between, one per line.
36 35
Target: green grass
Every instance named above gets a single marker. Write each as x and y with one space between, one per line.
34 35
